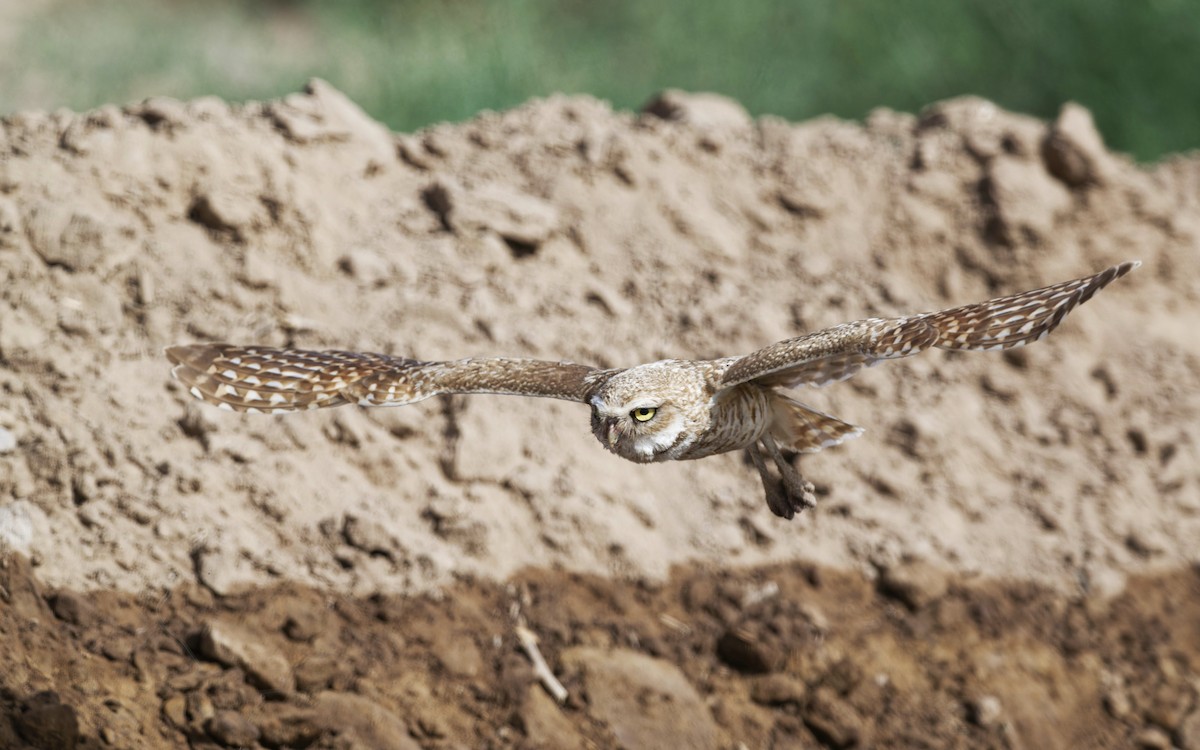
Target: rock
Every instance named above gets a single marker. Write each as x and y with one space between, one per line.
174 710
986 710
72 608
701 110
544 724
1189 731
747 652
1152 738
1073 149
324 114
515 216
285 725
1116 701
1028 200
223 210
457 652
361 720
317 673
223 570
369 536
231 729
834 722
8 441
777 690
67 236
233 646
47 724
366 266
16 526
10 223
916 584
304 623
646 702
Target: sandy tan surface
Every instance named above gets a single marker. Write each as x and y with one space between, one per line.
563 229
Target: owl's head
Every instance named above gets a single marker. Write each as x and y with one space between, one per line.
643 413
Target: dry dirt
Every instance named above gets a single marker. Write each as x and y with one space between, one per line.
1007 558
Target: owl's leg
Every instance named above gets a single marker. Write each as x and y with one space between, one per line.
772 485
799 492
788 493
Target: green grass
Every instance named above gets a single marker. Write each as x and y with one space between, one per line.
413 63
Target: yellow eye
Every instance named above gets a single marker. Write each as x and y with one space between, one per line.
643 414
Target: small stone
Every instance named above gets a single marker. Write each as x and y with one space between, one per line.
1116 701
362 721
1073 149
369 536
1028 201
48 724
986 710
174 710
1152 738
1188 733
457 652
316 673
916 584
746 652
525 221
16 526
8 441
544 724
834 722
304 624
72 608
284 725
231 729
778 690
701 110
10 223
646 702
224 571
234 646
366 266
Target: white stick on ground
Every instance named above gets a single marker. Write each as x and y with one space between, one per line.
540 667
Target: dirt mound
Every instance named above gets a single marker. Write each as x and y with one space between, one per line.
565 230
562 229
786 656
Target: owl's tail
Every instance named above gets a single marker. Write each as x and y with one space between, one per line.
799 428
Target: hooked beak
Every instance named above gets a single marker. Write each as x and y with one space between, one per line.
612 432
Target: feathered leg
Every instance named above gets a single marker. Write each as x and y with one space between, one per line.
788 493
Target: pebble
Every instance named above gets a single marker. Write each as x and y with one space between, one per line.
8 441
916 584
777 690
48 724
646 702
986 710
231 729
746 652
834 722
234 646
363 722
1073 150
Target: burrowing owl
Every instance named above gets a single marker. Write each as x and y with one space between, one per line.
671 410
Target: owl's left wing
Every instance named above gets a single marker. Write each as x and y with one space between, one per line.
269 380
839 352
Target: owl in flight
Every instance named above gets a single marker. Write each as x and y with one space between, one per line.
671 410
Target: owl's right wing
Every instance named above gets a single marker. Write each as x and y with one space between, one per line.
269 380
841 351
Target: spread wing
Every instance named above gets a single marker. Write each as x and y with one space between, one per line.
839 352
268 380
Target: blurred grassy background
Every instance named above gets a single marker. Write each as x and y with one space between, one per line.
414 62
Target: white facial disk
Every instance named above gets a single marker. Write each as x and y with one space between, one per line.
642 429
